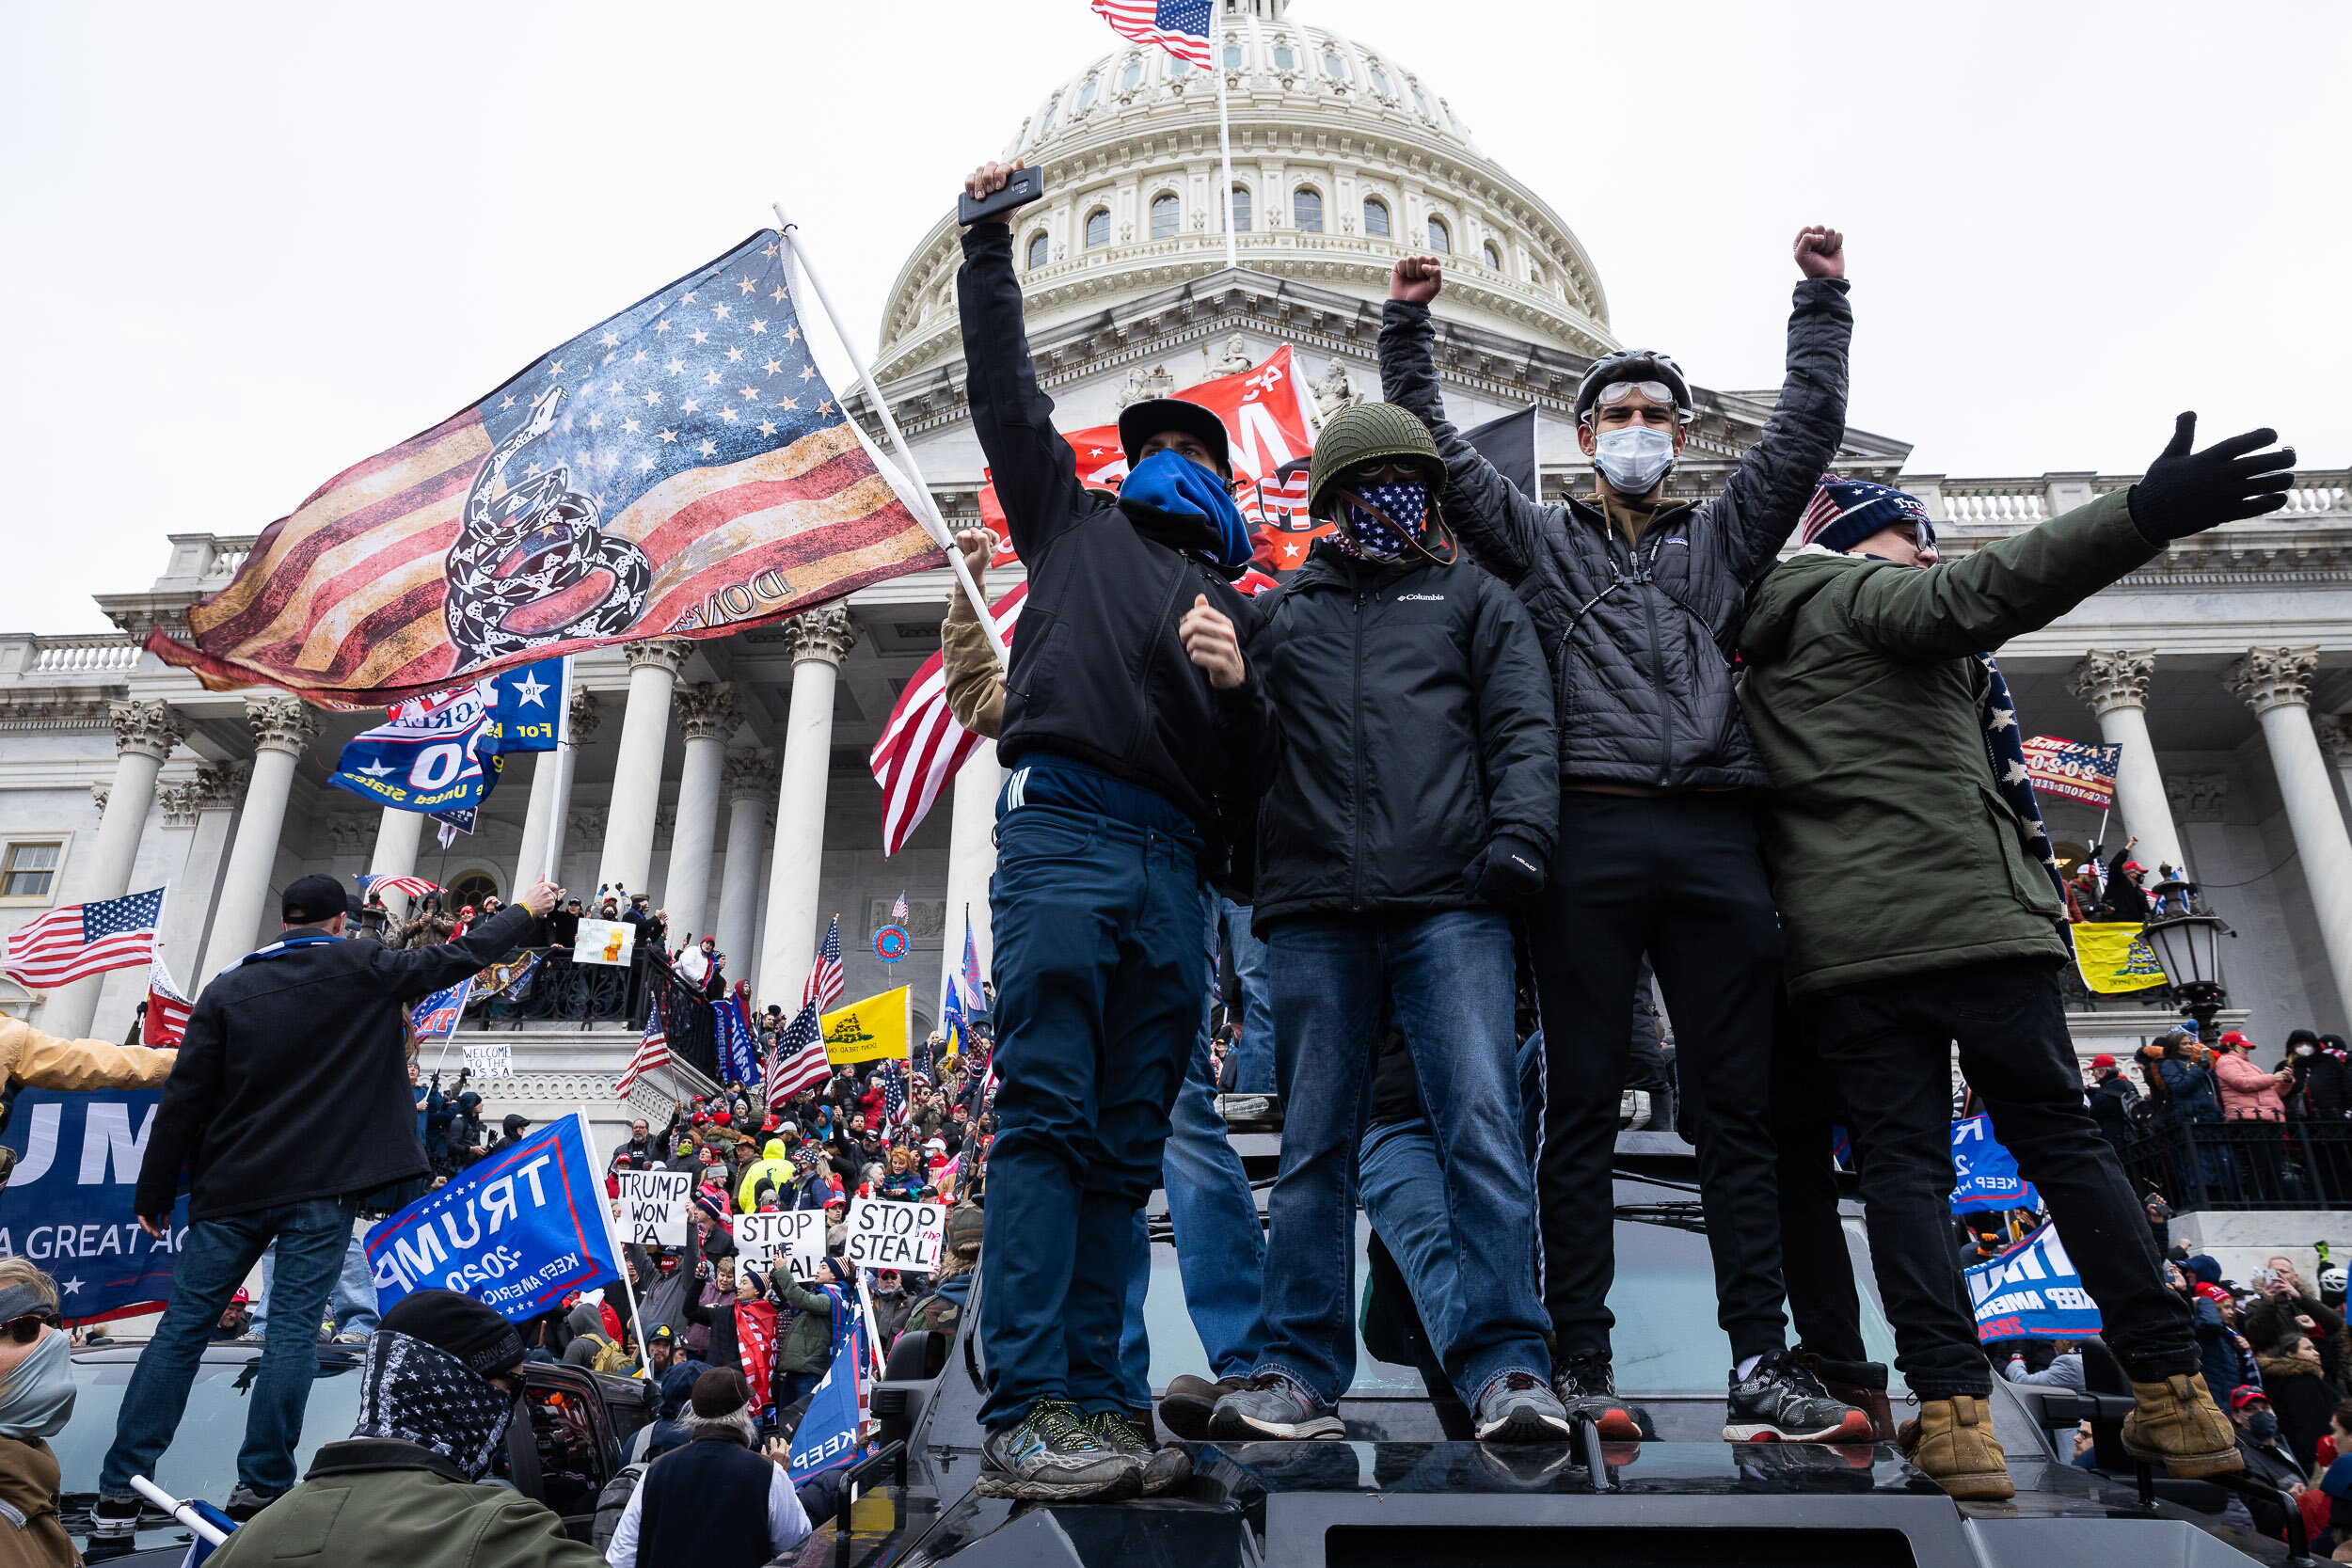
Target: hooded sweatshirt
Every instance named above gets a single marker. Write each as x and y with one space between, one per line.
771 1167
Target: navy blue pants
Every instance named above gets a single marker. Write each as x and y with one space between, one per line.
1100 970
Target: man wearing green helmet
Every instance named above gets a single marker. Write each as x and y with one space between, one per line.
1412 801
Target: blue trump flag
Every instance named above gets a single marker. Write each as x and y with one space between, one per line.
739 1061
69 1203
436 1017
519 1230
1984 1175
442 754
2032 1291
827 1435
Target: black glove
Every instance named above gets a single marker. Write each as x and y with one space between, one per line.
1510 870
2184 492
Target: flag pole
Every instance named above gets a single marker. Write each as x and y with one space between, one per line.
933 523
1225 151
620 1257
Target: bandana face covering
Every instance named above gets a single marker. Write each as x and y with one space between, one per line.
420 1394
1369 536
37 1397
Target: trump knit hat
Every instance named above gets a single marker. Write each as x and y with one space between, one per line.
1845 512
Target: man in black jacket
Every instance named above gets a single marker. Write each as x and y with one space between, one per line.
1414 793
1131 732
290 1101
2111 1097
1637 598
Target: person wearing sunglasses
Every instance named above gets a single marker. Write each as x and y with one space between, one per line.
1637 594
36 1392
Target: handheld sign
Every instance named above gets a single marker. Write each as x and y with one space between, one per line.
653 1206
604 942
490 1061
797 1236
885 1234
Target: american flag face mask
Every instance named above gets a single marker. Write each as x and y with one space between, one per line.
1380 522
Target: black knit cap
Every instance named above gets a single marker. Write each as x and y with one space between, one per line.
721 1391
314 901
466 1328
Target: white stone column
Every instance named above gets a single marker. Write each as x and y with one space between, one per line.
282 727
145 733
207 802
819 639
2336 742
750 783
707 717
395 853
971 861
2277 683
2114 681
628 858
562 768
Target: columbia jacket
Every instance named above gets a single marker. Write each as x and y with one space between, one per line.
1640 637
1098 674
1867 702
293 1077
1412 725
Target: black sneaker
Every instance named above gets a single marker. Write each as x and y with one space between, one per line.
245 1501
1049 1456
112 1525
1782 1402
1588 1389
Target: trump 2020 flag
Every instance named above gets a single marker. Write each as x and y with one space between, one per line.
827 1435
436 1017
2032 1291
1984 1175
679 470
740 1059
69 1205
435 755
519 1230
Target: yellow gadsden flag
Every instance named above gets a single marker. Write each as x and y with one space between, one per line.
2116 958
873 1030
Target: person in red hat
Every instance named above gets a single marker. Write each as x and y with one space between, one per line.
2126 902
2249 1093
2111 1097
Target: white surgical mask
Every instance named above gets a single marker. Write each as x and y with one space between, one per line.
1634 459
2302 1050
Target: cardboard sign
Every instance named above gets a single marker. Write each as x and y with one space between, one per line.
797 1236
490 1061
604 942
885 1234
653 1206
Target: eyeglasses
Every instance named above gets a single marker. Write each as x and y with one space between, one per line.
26 1329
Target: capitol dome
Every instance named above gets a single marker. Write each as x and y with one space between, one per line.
1344 158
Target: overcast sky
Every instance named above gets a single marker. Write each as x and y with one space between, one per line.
247 245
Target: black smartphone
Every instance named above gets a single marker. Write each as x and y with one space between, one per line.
1026 186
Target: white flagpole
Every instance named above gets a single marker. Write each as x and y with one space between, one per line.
620 1257
1225 151
934 524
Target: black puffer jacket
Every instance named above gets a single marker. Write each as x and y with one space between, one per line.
1412 725
1640 640
1098 674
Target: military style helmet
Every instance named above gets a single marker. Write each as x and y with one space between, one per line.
1368 433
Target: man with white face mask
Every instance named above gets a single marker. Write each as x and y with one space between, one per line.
1637 597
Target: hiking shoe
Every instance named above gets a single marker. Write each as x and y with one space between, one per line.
1782 1402
1860 1384
244 1502
1185 1409
1049 1456
1587 1390
1516 1407
1271 1405
2176 1424
1952 1445
112 1525
1164 1469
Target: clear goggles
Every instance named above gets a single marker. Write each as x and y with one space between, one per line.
1617 391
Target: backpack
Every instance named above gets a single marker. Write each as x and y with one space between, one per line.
611 1503
610 1357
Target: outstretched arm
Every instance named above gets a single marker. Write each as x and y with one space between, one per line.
1768 493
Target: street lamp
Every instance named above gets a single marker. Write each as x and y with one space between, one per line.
2188 945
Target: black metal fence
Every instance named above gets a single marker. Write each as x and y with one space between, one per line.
2242 1164
584 995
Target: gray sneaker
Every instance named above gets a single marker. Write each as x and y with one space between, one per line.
1164 1469
1519 1407
1049 1456
1271 1405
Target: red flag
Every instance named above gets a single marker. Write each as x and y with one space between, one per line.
756 1345
167 1017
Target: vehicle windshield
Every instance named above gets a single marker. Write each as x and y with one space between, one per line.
202 1459
1665 1341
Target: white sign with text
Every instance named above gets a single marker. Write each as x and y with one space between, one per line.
490 1061
797 1236
888 1234
653 1206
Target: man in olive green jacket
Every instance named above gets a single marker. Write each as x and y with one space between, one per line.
1879 720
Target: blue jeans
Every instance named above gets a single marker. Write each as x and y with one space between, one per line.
1449 977
351 1306
214 1256
1403 1192
1100 971
1220 1245
1253 1052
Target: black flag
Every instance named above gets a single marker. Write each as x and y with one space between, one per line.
1509 444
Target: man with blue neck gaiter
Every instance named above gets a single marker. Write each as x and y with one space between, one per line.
1130 735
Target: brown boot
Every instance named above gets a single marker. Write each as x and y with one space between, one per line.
1184 1408
1952 1445
1859 1383
2176 1423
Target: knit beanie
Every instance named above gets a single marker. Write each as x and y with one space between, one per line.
466 1328
1845 512
721 1391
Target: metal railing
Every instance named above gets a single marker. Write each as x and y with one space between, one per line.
2241 1164
561 992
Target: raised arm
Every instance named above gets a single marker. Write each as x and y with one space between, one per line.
975 680
1768 493
48 1062
1500 526
416 972
1035 472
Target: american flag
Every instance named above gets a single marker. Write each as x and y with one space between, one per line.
680 469
975 999
166 1018
894 1094
2078 769
899 906
653 1051
82 939
923 747
825 981
413 887
1179 26
797 1060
